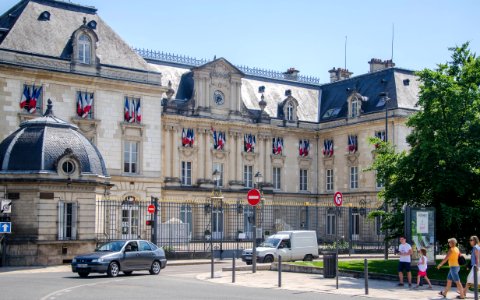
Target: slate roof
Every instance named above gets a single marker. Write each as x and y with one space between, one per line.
26 33
38 144
401 85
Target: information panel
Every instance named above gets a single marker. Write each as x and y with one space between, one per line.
420 231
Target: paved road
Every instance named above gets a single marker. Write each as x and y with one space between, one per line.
174 282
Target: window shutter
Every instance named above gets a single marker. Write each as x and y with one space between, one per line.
74 220
61 219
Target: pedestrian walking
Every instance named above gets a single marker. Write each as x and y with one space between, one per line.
475 258
405 252
452 258
422 268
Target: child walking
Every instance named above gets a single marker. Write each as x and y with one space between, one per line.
422 268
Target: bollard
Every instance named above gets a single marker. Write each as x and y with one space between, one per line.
279 271
233 268
475 282
366 276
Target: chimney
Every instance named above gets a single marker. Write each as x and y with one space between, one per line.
377 64
339 74
291 74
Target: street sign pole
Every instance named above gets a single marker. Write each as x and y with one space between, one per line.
338 201
254 249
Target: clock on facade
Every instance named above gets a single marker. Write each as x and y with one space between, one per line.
218 97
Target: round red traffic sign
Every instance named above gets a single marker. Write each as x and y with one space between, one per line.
151 208
253 197
338 199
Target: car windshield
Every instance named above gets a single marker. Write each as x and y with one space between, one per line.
270 243
111 246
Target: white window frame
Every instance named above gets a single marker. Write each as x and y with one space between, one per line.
380 134
130 157
329 180
84 49
303 180
277 178
186 177
290 111
354 177
354 107
67 220
330 223
218 167
248 176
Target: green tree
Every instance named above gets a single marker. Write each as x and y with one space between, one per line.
442 167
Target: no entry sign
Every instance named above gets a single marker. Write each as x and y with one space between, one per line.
151 208
338 199
253 197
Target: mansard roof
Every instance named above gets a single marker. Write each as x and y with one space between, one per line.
401 85
27 32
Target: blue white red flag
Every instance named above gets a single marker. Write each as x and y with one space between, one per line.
127 110
25 96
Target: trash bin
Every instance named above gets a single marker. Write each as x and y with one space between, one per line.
329 265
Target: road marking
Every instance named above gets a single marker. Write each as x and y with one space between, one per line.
52 295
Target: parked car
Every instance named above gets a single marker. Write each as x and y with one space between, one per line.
126 256
291 245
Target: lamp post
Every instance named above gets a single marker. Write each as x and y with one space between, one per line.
258 180
216 193
386 99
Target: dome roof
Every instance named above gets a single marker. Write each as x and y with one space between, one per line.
39 144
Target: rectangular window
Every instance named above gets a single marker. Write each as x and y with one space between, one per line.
67 221
378 225
85 105
219 167
379 182
186 173
248 176
277 178
354 177
329 179
331 223
380 134
130 157
303 180
31 100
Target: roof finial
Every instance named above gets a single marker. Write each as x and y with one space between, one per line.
49 111
84 20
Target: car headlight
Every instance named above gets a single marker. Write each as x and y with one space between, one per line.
74 260
97 260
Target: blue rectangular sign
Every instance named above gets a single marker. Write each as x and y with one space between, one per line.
5 227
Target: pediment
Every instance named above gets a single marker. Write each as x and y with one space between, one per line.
220 68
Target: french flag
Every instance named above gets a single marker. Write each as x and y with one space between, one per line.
127 110
79 104
25 96
279 146
132 111
190 137
215 141
184 138
138 112
221 141
32 104
88 105
301 148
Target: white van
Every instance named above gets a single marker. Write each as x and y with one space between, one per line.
291 245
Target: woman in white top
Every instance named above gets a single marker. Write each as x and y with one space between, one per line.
475 259
422 268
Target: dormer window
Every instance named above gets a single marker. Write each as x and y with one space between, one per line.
354 107
84 49
289 111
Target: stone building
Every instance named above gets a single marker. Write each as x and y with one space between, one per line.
164 123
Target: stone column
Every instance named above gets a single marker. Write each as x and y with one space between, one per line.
268 163
232 156
176 157
207 159
261 156
238 156
201 154
168 152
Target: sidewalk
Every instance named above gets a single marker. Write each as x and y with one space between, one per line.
316 283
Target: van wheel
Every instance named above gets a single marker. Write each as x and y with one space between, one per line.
268 259
308 257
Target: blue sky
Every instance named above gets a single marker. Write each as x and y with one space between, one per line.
306 34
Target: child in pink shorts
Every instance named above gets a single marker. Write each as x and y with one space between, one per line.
422 268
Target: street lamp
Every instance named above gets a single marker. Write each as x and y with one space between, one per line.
386 100
258 180
216 193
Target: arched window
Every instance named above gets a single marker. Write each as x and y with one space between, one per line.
289 111
84 49
354 107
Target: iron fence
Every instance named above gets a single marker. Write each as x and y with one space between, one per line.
197 225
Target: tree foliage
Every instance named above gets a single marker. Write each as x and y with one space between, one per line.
442 167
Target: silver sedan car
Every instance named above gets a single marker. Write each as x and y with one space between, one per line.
121 256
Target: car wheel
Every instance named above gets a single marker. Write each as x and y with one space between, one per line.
268 259
248 262
83 274
155 268
128 273
113 269
308 257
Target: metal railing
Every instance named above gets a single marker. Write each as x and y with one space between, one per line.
195 62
